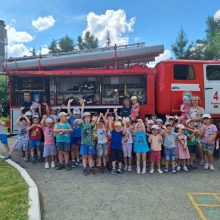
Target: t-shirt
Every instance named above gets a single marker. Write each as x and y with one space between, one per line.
127 139
35 133
169 140
116 141
2 129
209 131
196 113
155 145
76 128
87 133
101 134
22 132
48 136
125 112
26 106
63 137
190 141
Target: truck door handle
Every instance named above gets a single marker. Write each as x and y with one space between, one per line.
208 88
176 87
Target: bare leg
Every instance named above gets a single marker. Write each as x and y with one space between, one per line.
173 164
90 161
66 157
7 148
138 157
60 157
104 161
84 161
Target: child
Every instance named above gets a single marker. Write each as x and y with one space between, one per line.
127 145
35 133
170 146
208 134
184 108
62 130
87 149
155 139
102 143
126 109
191 133
3 136
182 152
36 106
116 146
134 108
49 141
140 145
75 136
23 137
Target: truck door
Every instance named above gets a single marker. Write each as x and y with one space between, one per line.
212 88
184 79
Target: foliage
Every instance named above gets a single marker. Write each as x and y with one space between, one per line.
13 194
66 44
88 42
4 95
53 47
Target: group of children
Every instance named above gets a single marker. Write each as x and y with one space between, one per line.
102 140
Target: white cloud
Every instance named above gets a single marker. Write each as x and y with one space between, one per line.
15 36
164 56
217 15
18 50
113 21
43 50
43 23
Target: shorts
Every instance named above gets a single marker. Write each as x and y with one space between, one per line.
35 144
102 150
21 143
87 149
116 155
209 148
192 149
170 154
155 156
63 146
127 149
49 150
4 138
75 140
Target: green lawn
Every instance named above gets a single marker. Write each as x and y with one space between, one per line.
13 194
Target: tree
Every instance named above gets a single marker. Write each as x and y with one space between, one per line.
4 95
213 48
180 47
66 44
196 51
88 42
213 27
53 47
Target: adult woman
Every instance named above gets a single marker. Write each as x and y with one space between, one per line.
196 112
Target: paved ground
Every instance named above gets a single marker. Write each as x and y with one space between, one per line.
70 195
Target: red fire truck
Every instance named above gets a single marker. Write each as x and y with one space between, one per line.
103 77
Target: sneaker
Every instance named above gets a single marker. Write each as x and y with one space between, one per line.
178 168
78 163
151 171
211 167
166 170
7 157
138 170
206 166
85 172
144 170
192 166
59 166
68 167
114 172
119 170
125 168
52 164
173 171
185 169
160 171
39 158
92 171
33 160
73 164
129 168
46 166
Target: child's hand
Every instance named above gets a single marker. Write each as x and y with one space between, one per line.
70 100
44 116
217 147
115 110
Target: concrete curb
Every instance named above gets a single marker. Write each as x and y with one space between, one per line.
33 195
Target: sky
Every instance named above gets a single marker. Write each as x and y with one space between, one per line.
34 24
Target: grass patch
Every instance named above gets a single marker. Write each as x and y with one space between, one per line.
13 194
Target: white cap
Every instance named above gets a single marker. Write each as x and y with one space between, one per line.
134 97
159 120
53 108
207 116
150 122
180 126
28 113
35 116
87 114
189 120
118 123
155 127
48 120
119 118
62 114
76 111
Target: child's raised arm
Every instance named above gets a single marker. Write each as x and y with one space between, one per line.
42 121
68 107
82 103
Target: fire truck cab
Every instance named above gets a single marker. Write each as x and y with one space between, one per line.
175 77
